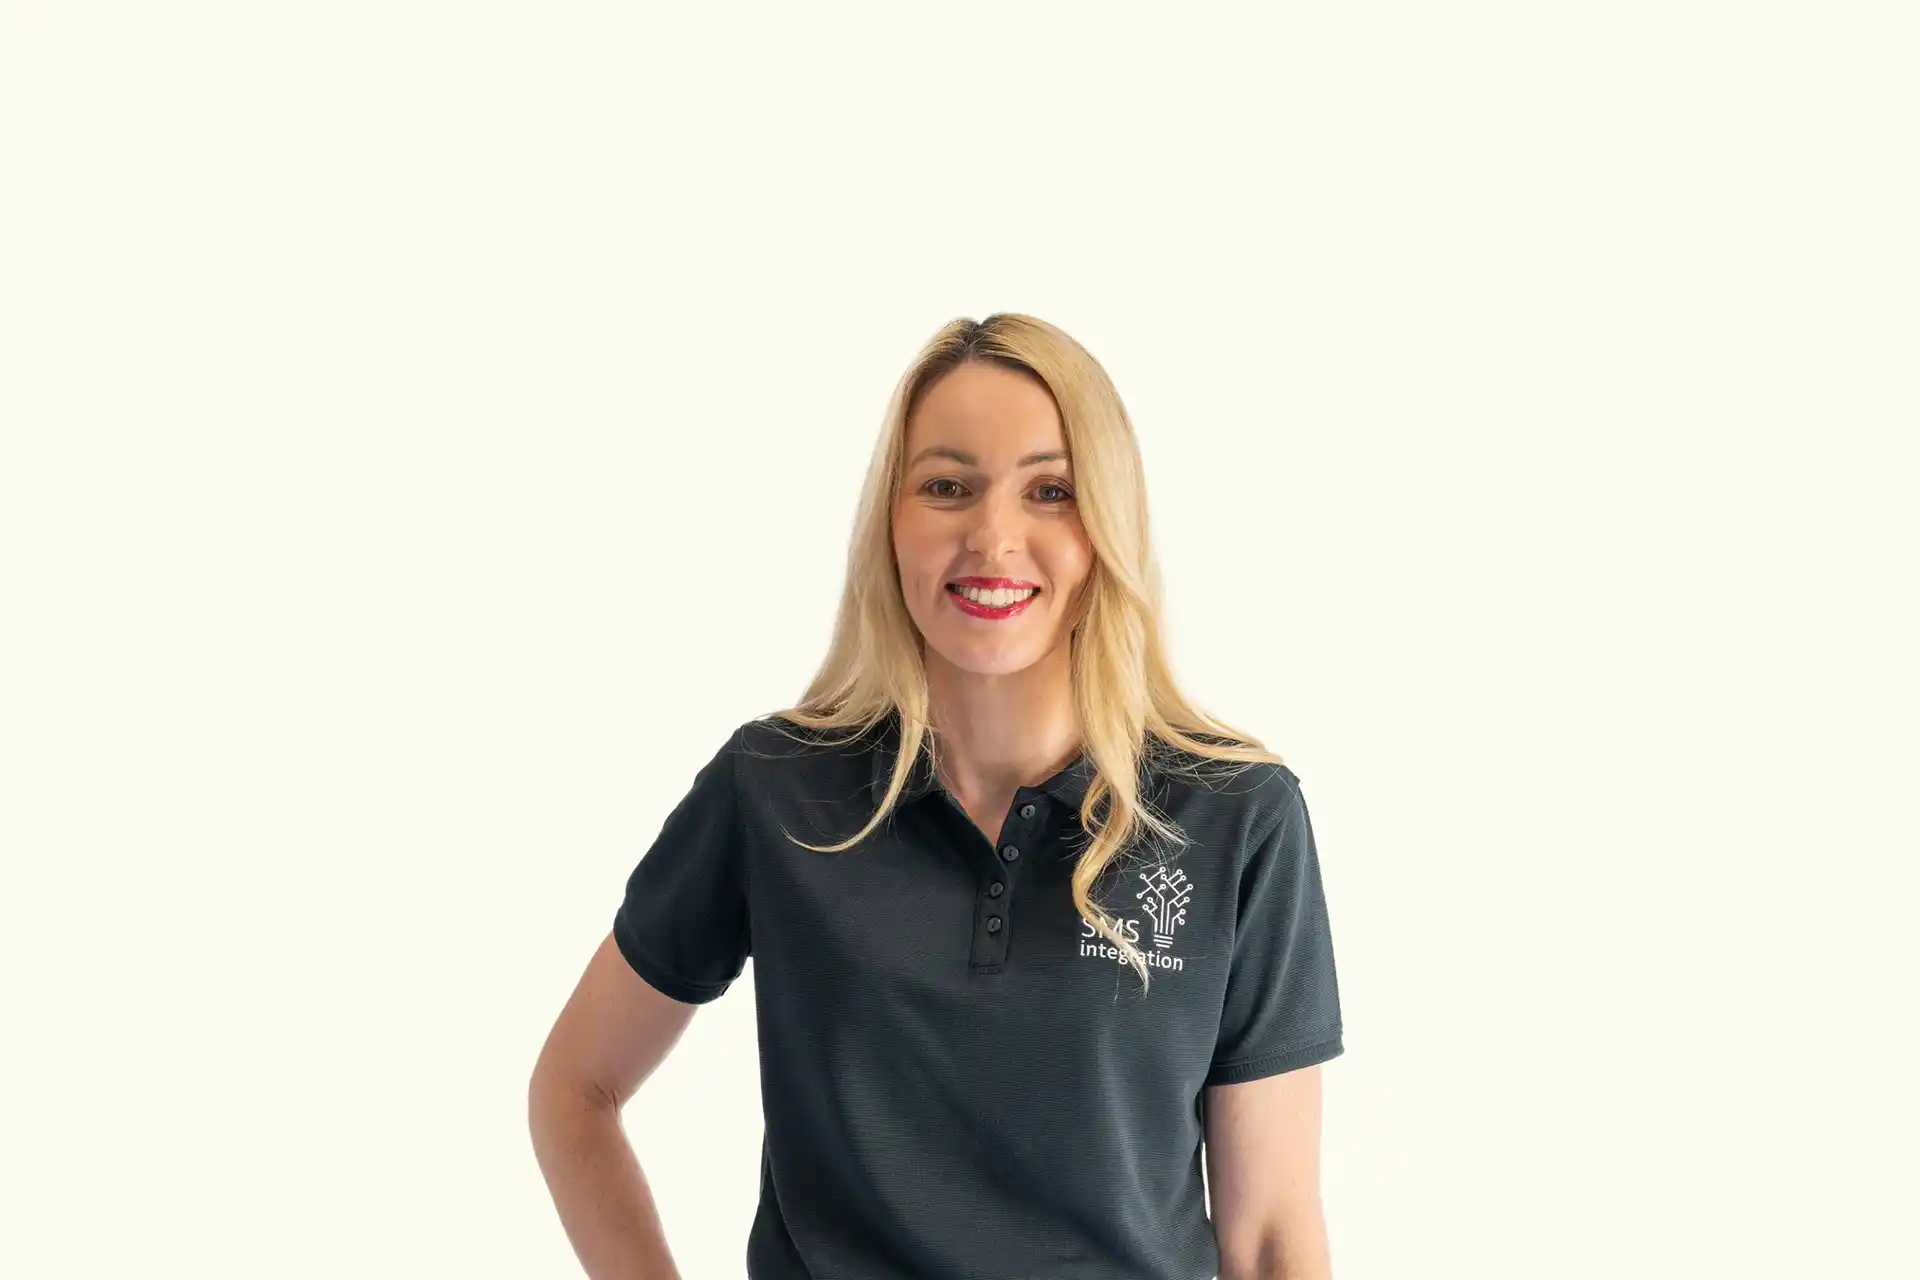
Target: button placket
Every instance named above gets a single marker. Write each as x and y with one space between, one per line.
994 924
992 938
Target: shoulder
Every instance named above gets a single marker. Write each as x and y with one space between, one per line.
770 750
1232 807
1262 786
776 737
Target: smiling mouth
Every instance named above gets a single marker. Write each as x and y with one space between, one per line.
976 609
954 587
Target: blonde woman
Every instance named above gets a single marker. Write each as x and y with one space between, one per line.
1033 935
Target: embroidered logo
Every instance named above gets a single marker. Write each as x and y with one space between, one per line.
1163 899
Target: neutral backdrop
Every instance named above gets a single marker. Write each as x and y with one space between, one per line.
433 427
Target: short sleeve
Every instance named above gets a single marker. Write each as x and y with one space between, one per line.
683 923
1282 1008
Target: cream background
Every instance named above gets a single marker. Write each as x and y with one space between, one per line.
432 427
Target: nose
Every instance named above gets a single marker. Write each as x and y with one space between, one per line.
999 526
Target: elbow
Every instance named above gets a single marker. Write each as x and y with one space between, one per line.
552 1091
1292 1254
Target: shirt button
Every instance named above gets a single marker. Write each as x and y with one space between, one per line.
995 889
1009 852
1026 811
993 924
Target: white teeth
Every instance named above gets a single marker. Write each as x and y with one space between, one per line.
999 598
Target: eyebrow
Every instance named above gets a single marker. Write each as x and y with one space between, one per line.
967 459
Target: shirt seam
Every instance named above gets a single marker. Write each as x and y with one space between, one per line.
631 942
1291 1047
739 827
1287 1046
1281 821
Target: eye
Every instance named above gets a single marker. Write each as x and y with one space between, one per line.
1066 494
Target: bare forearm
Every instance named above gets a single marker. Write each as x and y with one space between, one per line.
605 1204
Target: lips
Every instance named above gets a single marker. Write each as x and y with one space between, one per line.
977 610
993 584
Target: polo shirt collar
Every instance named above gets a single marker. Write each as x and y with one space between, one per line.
1068 785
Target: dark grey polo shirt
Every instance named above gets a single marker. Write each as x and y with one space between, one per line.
960 1079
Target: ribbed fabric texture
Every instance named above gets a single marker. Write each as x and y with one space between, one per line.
961 1081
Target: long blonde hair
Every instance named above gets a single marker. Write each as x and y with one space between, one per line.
1131 711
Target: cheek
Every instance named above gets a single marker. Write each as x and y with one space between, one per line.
918 547
1073 560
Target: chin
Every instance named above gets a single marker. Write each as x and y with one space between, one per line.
986 660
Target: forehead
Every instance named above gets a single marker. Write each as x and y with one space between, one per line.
993 413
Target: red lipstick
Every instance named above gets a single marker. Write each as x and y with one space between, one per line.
989 584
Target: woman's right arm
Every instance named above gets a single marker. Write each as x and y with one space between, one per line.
613 1032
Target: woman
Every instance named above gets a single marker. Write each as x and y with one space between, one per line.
992 801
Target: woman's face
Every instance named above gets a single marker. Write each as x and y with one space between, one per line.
988 492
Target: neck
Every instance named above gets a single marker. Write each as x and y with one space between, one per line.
998 733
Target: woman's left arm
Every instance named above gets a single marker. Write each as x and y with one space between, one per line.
1263 1177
